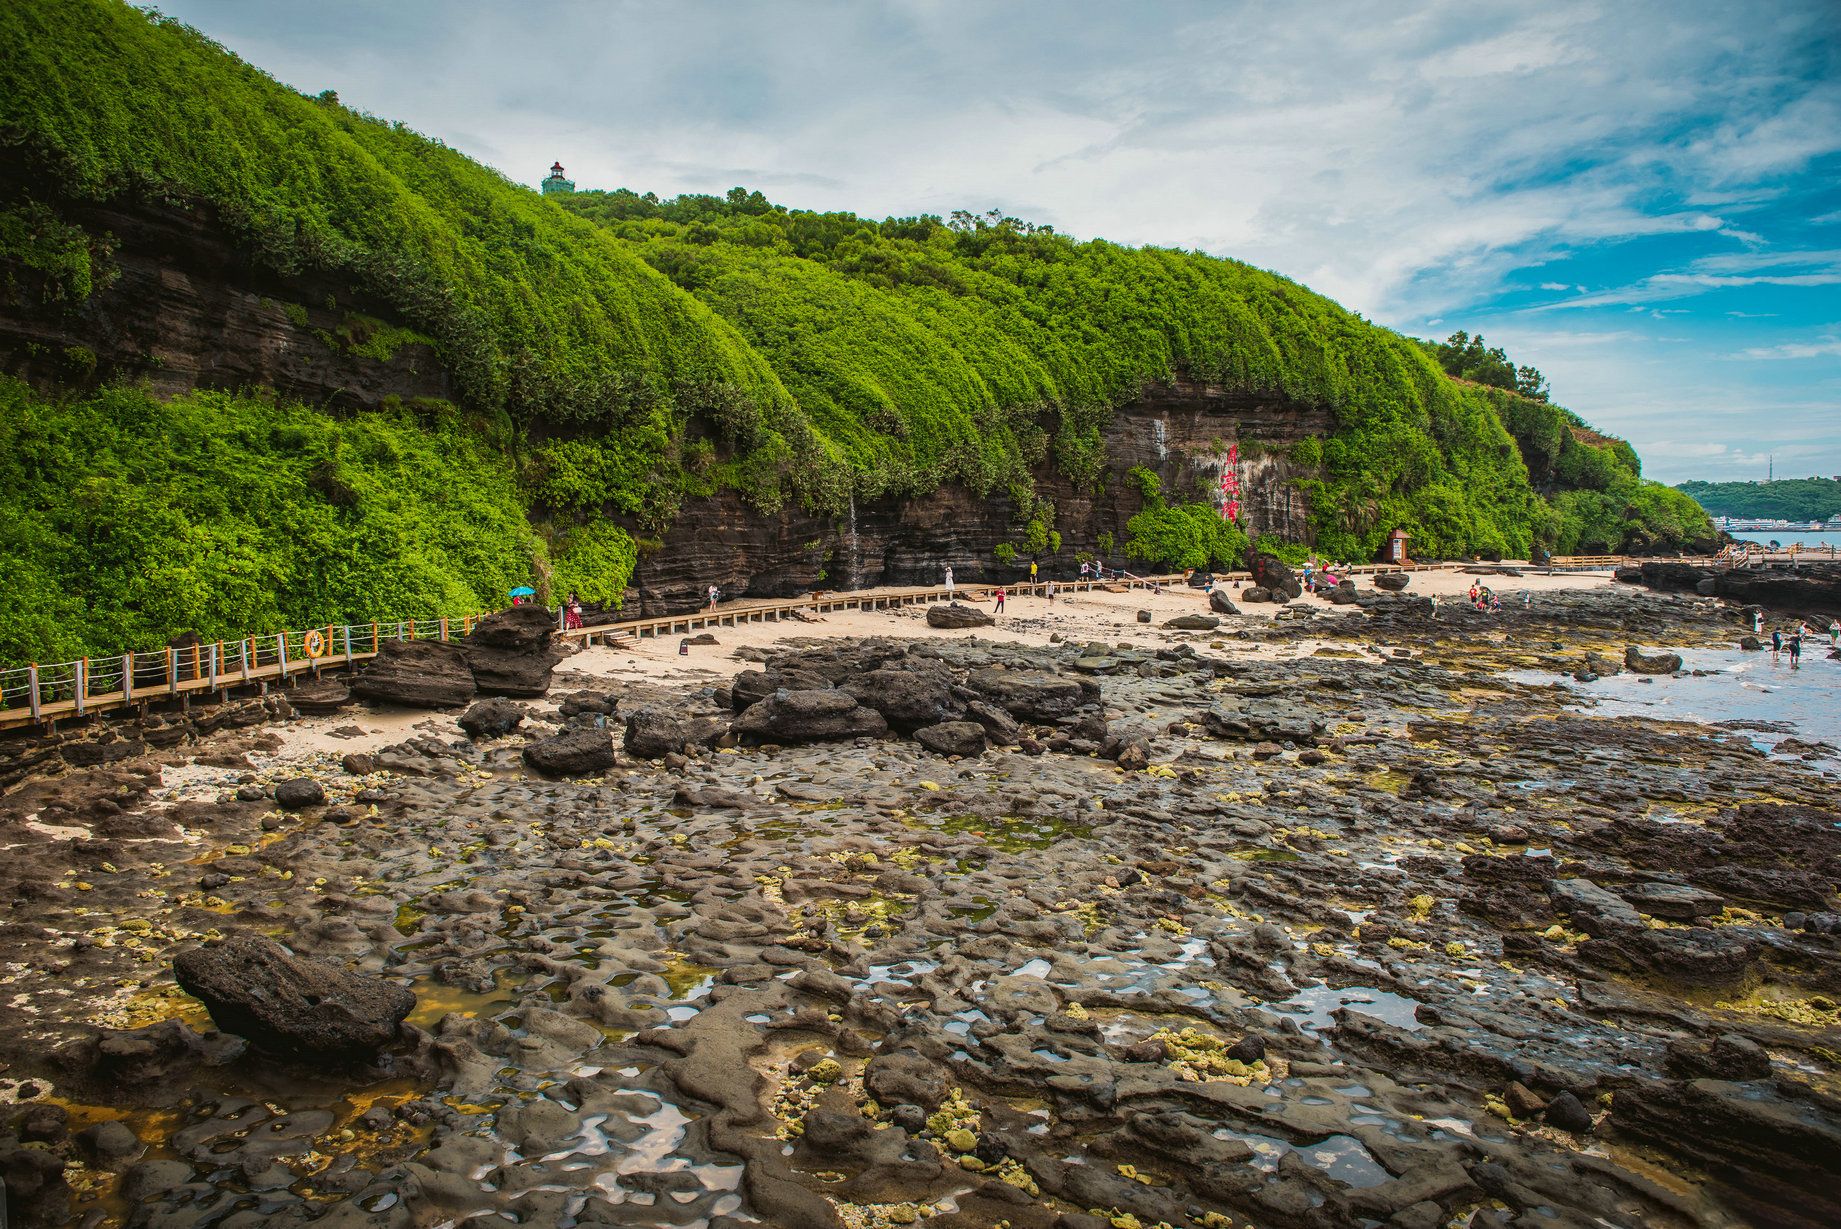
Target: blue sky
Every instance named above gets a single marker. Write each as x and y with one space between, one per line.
1641 199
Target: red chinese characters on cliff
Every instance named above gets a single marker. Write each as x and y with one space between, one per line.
1230 485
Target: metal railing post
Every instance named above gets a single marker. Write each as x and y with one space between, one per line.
281 643
243 658
127 678
213 665
348 644
32 684
172 672
82 683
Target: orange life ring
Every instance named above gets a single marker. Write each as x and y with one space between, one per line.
313 644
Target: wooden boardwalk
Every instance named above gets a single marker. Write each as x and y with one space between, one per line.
78 690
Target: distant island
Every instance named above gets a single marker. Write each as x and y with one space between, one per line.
1787 499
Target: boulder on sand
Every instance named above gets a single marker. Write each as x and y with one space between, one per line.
1193 623
1639 662
284 1004
512 653
1221 604
493 718
417 674
320 696
1256 593
1342 595
575 752
809 717
954 615
1393 582
1272 573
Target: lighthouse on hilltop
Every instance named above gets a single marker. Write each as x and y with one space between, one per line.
556 181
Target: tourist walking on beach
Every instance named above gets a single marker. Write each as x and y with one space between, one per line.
1051 593
1000 600
1796 648
572 613
1086 572
949 582
1834 633
714 594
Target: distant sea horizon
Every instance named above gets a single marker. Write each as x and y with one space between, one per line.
1808 537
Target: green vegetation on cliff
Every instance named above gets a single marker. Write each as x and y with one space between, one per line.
1787 499
637 353
128 518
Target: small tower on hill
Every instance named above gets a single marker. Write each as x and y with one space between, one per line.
556 182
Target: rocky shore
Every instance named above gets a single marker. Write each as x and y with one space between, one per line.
1328 919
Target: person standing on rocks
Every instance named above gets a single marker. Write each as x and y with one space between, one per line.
1000 600
949 582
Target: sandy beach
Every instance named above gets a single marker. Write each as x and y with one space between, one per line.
1028 619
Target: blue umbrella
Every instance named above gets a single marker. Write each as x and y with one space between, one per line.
522 591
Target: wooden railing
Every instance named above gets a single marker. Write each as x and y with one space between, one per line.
41 695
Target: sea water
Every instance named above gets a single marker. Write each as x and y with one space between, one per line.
1737 686
1811 539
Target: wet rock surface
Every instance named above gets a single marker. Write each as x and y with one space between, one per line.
1202 937
281 1003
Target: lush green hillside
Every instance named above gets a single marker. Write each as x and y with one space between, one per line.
1788 499
128 518
631 353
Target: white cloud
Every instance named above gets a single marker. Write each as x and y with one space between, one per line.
1411 161
1827 346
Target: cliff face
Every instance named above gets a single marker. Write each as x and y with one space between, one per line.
1181 432
191 309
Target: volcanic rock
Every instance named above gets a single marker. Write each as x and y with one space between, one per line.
1651 663
1393 582
907 699
285 1004
1272 573
965 738
492 718
1193 623
953 615
1028 694
511 652
575 752
654 732
1221 603
807 717
417 674
299 793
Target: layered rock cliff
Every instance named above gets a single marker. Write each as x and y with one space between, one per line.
191 307
1181 432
